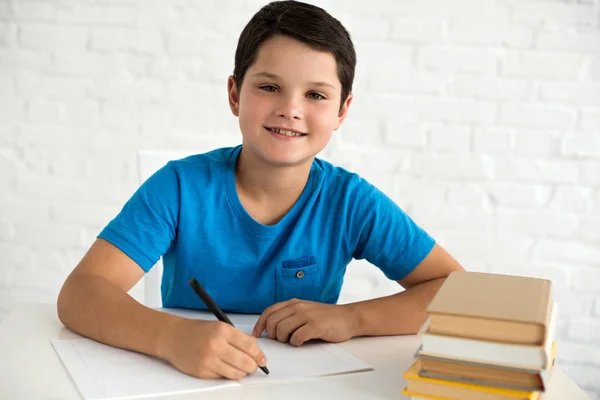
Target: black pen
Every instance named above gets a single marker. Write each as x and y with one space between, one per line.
214 308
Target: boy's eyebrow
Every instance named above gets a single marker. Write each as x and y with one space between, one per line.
275 77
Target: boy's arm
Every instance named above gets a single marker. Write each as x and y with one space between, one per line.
405 312
94 302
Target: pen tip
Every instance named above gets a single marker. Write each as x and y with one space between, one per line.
265 370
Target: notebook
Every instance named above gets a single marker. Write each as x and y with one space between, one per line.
104 372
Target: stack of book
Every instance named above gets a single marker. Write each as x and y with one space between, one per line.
487 337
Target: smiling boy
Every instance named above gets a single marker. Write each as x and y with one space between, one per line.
265 227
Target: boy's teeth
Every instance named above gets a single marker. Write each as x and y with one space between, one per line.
286 133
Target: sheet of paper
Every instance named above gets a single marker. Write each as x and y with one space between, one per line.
104 372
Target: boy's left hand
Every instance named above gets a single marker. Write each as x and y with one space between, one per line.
297 321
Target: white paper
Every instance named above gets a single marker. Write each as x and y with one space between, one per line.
104 372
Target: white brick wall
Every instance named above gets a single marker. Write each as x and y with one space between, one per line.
481 118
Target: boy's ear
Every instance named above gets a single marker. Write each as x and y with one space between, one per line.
343 111
234 96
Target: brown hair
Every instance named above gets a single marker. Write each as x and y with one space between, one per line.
306 23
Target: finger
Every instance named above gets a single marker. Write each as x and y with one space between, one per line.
288 326
248 345
239 360
303 334
276 317
226 370
261 324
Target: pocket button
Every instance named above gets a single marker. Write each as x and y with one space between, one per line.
300 274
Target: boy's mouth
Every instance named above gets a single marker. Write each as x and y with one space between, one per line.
285 132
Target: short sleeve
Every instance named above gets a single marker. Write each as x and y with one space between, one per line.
147 224
385 235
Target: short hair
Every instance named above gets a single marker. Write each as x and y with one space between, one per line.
305 23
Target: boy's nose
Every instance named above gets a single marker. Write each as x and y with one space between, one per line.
289 109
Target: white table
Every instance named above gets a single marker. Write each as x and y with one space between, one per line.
30 369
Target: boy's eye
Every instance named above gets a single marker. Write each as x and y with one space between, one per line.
316 96
268 88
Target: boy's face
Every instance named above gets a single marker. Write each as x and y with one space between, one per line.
290 87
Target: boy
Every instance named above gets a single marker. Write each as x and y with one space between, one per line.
265 227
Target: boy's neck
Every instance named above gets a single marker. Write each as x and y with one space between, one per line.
264 184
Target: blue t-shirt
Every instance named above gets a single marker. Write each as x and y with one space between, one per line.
189 213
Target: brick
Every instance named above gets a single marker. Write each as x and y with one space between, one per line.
35 10
584 329
590 227
126 39
597 309
542 65
6 231
450 167
539 116
112 166
583 94
85 215
364 132
451 138
128 89
65 165
462 111
493 140
368 27
537 142
31 84
577 352
568 41
15 256
589 173
463 10
42 36
99 14
46 235
382 60
538 171
573 305
407 82
385 106
590 121
21 209
7 85
553 14
8 34
404 134
452 218
594 69
42 111
95 65
82 113
553 250
19 59
417 30
470 195
474 61
11 111
538 223
51 189
486 88
585 145
480 249
518 195
572 199
485 34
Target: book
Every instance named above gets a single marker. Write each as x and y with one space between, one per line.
439 389
533 357
485 374
495 307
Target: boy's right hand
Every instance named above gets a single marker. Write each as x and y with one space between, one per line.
211 349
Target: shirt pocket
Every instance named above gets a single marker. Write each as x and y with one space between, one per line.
298 278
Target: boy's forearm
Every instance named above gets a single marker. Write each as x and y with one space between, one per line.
93 307
399 314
